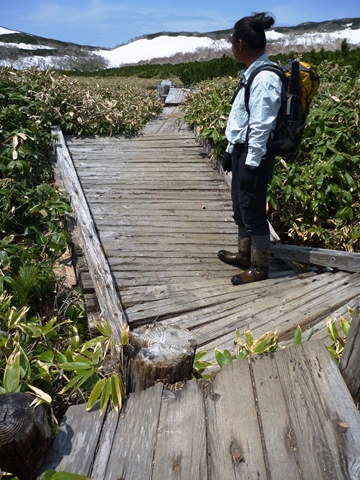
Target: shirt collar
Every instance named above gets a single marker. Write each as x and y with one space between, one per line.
245 74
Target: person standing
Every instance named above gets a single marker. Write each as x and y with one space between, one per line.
249 143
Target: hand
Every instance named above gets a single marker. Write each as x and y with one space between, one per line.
226 162
248 177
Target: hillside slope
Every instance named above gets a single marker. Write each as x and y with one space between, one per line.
21 50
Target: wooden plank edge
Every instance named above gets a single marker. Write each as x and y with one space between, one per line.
96 261
341 260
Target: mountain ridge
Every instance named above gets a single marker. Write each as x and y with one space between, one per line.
21 50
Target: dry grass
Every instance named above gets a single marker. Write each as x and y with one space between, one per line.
122 82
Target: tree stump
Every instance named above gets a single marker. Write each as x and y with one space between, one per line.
158 353
25 435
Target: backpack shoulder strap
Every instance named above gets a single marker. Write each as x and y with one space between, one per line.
271 68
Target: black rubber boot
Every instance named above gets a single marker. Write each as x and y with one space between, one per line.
240 259
260 259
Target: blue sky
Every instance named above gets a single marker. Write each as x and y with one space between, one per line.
107 23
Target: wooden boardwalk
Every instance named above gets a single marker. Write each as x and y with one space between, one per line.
162 211
274 418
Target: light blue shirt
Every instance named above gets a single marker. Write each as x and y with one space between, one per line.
264 105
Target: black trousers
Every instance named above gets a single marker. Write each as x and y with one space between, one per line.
249 202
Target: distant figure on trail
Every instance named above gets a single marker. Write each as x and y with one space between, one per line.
248 150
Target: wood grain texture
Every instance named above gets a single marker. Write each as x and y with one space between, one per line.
131 456
162 212
98 267
348 261
323 415
350 360
285 415
235 448
181 451
75 445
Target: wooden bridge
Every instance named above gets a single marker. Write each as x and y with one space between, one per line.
162 211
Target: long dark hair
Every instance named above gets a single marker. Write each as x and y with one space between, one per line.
251 30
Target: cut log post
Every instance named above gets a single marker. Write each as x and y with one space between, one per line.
350 360
25 435
159 353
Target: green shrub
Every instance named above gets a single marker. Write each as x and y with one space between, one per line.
314 195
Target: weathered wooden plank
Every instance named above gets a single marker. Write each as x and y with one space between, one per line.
181 438
213 300
173 187
134 441
350 360
170 221
202 196
70 451
149 217
348 261
319 331
279 437
185 138
198 228
105 445
234 438
303 311
217 200
169 207
260 303
151 240
324 419
171 159
205 291
97 264
166 174
176 96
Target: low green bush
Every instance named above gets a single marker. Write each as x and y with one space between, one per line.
44 344
314 194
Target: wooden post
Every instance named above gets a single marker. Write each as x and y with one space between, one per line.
25 435
159 353
350 360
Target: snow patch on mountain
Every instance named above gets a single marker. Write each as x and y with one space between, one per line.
159 47
6 31
166 46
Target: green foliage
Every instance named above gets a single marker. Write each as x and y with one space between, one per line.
337 348
47 358
32 209
199 366
267 343
209 108
314 197
53 475
44 348
189 73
